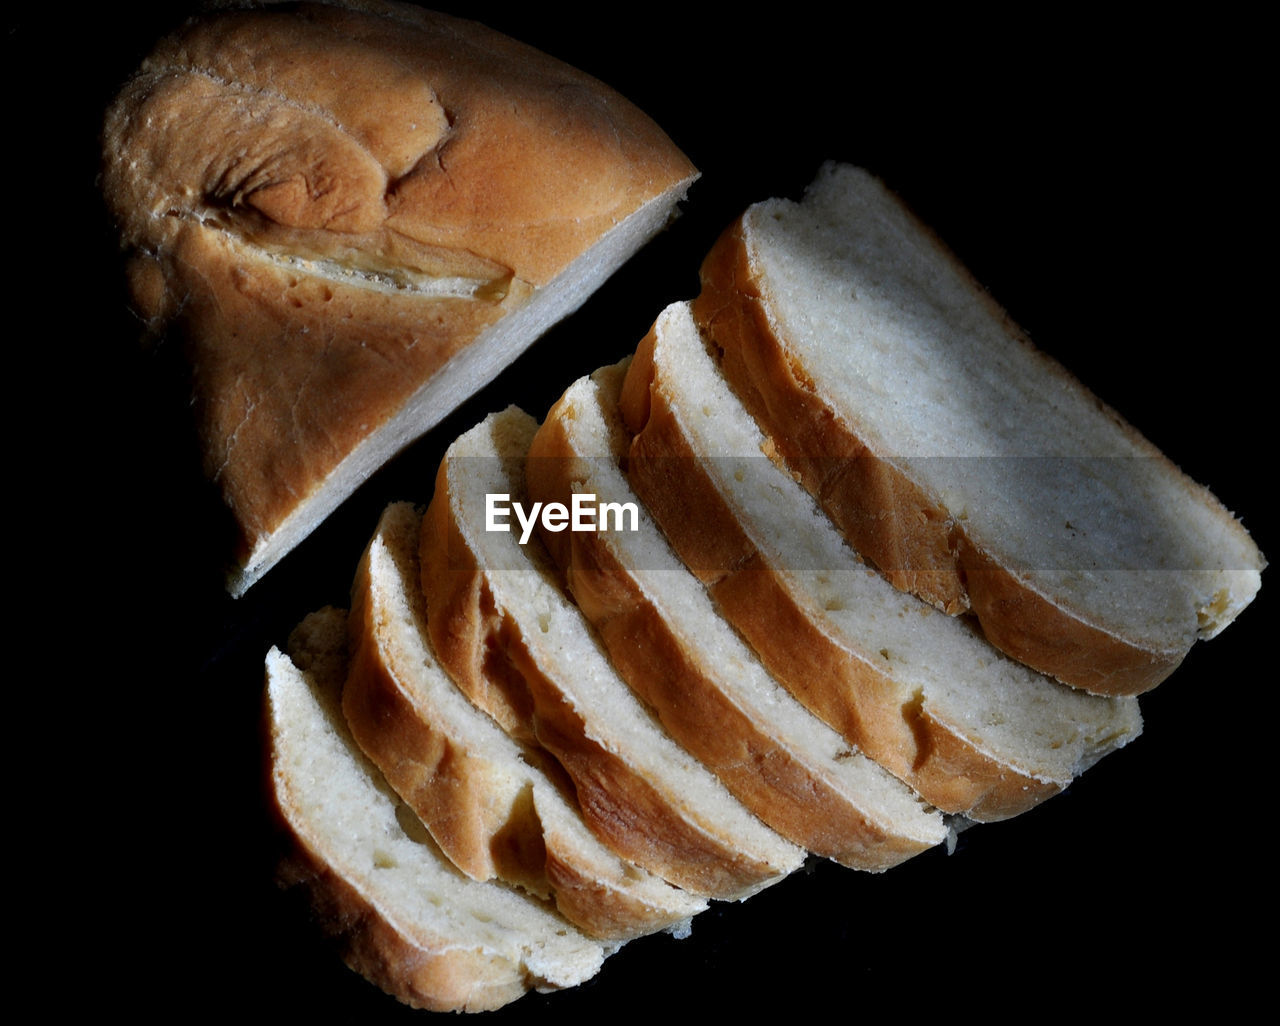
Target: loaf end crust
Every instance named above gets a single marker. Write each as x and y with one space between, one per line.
353 215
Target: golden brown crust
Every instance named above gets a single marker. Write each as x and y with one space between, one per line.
862 704
886 516
480 644
454 790
848 693
777 783
285 177
665 470
418 140
467 630
1033 630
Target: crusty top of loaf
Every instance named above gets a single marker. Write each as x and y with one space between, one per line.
355 215
395 140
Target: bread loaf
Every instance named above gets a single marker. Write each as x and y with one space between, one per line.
968 466
1104 191
354 215
918 691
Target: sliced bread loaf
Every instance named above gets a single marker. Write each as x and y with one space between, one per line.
511 640
920 692
707 687
410 922
494 806
967 465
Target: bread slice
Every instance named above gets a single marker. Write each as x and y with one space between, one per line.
353 215
707 687
968 466
506 633
921 693
410 922
495 807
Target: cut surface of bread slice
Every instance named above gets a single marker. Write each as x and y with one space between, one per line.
505 631
353 215
967 465
410 922
920 692
488 801
683 658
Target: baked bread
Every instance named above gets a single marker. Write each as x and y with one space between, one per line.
495 807
409 921
920 692
355 214
705 685
968 466
512 641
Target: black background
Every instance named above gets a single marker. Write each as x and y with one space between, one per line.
1104 179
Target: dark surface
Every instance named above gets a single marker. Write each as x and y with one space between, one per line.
1101 179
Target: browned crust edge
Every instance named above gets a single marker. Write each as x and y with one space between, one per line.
450 787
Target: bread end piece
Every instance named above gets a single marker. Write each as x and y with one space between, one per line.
351 227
